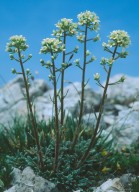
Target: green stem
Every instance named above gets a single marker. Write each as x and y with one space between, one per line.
82 94
62 83
34 126
93 139
56 116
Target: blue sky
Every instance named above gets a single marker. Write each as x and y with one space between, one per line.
35 20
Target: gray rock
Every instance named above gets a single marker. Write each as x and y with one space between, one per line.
12 99
111 185
27 181
124 93
44 105
126 129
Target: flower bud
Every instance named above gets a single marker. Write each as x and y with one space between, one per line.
27 71
77 61
122 79
88 53
110 62
103 61
76 49
30 56
13 71
93 58
11 57
96 76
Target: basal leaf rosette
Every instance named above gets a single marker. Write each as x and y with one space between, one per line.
65 26
118 38
90 19
17 43
52 45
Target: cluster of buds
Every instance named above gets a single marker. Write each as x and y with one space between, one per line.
105 61
65 26
52 45
118 38
80 37
17 43
90 19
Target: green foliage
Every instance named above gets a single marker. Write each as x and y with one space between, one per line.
18 150
135 185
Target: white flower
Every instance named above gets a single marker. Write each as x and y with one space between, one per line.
118 38
89 18
80 37
17 43
96 76
65 27
52 45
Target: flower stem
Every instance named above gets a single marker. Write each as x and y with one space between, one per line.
62 83
93 139
56 116
34 125
82 94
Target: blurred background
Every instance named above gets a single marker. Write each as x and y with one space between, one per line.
36 19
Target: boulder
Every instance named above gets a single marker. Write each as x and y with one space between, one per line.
124 93
12 100
27 181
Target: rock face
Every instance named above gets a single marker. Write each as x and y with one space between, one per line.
120 112
27 181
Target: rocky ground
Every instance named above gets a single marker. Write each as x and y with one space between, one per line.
121 118
121 109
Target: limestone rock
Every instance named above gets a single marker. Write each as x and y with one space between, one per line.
12 99
27 181
124 93
111 185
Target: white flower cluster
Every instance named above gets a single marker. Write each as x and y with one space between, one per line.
52 45
65 26
89 18
17 42
118 38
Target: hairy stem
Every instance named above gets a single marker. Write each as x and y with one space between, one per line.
93 139
33 121
82 94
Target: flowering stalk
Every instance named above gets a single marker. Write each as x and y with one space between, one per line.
90 21
62 83
53 46
65 28
56 114
117 39
17 45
